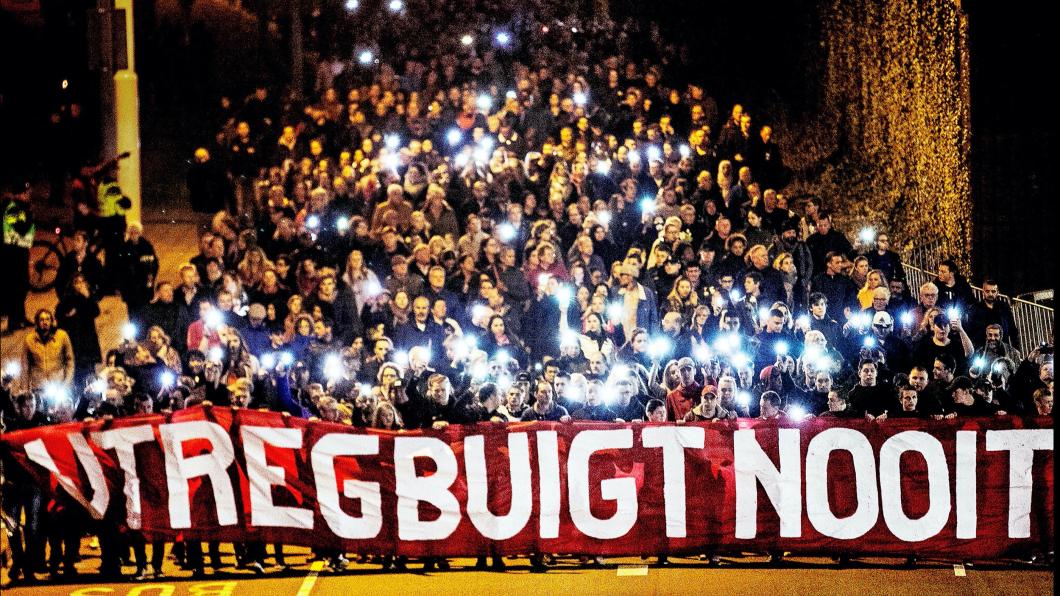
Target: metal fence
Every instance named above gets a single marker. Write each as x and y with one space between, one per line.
1034 321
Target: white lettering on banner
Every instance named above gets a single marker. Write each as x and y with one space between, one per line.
938 479
433 489
261 477
1021 445
674 440
783 485
818 509
322 458
498 527
967 506
181 469
621 490
123 441
37 452
548 487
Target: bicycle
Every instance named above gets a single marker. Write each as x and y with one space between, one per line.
47 254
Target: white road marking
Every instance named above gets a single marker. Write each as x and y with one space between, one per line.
959 571
632 570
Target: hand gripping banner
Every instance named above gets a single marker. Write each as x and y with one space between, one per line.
977 488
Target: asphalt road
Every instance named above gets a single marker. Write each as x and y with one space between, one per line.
631 575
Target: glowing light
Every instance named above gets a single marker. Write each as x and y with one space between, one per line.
615 311
685 151
333 366
503 38
735 295
486 143
803 320
56 392
763 314
564 294
869 342
506 232
352 5
454 136
12 368
504 381
502 356
953 313
342 223
312 222
286 358
542 279
401 357
781 348
907 318
581 98
647 205
604 217
478 312
365 57
167 379
373 288
214 318
461 160
659 347
867 235
392 141
65 83
654 153
980 362
98 386
467 39
396 5
702 353
364 389
603 167
216 354
268 361
481 155
740 360
796 413
511 94
129 331
484 102
743 398
568 338
634 157
862 320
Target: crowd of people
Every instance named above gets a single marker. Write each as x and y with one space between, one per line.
541 220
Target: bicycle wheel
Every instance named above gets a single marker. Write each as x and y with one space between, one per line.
44 262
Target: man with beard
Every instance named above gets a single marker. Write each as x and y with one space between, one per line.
47 354
994 348
991 311
788 242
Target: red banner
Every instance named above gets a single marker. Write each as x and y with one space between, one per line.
963 488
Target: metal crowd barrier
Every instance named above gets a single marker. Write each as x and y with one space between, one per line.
1034 321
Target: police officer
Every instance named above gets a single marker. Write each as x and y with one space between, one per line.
112 207
18 231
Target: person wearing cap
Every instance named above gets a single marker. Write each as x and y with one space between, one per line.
639 305
686 395
965 404
896 352
256 334
400 279
709 408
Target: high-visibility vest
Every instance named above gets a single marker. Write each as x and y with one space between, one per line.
108 196
14 214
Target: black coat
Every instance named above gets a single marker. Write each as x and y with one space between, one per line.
76 315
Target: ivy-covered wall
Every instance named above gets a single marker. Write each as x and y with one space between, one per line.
896 85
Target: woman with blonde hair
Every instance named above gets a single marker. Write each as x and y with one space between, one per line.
253 266
682 300
873 279
387 417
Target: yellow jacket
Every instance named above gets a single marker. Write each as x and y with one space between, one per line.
48 361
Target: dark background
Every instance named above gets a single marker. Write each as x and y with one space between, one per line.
759 53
